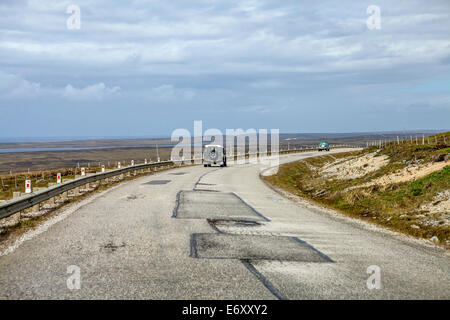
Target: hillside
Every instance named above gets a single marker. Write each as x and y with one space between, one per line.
404 186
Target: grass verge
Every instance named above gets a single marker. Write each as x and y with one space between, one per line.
397 206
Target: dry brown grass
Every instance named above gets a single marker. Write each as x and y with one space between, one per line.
50 160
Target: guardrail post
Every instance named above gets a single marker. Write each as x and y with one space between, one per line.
53 200
17 216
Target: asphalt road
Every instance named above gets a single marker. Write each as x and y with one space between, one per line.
216 233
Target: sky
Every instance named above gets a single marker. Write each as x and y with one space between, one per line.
147 67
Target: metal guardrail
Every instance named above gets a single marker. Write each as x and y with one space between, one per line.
13 206
24 202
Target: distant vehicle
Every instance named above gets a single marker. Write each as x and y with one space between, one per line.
323 146
214 154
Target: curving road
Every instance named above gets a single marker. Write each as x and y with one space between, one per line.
217 233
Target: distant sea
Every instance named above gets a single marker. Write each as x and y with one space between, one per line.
15 150
62 139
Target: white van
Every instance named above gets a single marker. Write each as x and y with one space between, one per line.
214 154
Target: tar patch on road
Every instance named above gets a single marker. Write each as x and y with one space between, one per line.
233 223
134 196
178 173
111 247
157 182
213 205
253 247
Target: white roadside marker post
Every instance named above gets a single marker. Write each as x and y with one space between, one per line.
83 172
58 181
118 165
27 186
103 168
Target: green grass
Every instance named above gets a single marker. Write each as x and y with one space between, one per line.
437 180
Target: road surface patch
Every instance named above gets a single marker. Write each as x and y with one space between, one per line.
133 197
233 223
253 247
111 246
213 205
158 182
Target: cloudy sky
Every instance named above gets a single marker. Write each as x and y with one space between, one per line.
147 67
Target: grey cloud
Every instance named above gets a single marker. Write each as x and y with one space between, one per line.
311 57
